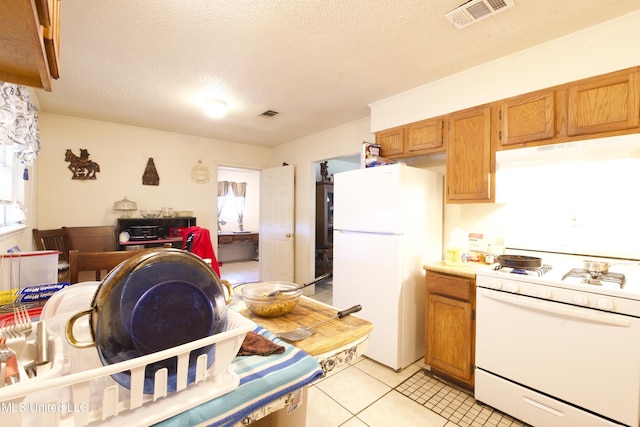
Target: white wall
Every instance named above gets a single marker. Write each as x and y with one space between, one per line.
303 154
573 198
122 153
335 166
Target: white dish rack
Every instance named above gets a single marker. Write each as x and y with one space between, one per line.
93 397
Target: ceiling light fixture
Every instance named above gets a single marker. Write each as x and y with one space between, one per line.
216 108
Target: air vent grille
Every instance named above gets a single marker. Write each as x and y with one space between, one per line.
269 113
477 10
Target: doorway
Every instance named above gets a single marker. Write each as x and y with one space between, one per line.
235 250
325 169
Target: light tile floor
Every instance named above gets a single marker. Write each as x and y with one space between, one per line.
368 394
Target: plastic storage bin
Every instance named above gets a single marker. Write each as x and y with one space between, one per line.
23 269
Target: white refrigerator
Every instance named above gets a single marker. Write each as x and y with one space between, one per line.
387 225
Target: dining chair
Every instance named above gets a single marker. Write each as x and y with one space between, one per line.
55 239
100 238
96 261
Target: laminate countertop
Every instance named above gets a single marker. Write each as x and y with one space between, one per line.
467 270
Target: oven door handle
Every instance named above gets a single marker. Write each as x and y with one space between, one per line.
563 310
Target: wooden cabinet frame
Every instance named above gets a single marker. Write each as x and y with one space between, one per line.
29 54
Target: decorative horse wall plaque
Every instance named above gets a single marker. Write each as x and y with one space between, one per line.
81 166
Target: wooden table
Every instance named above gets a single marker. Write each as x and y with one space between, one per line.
334 343
308 312
226 238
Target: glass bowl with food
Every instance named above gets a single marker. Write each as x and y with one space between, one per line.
271 299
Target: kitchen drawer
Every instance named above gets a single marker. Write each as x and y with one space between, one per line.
452 286
245 237
225 239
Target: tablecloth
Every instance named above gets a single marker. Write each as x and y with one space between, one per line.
263 379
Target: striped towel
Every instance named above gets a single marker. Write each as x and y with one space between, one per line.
263 379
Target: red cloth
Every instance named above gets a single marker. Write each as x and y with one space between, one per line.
201 245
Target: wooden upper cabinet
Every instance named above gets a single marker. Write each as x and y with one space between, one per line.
527 118
30 34
603 104
391 142
424 136
596 107
470 168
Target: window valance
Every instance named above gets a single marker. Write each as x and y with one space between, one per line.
19 122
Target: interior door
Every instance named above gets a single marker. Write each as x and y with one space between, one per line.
276 223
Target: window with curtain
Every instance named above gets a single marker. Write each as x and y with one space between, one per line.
19 146
223 190
6 180
231 201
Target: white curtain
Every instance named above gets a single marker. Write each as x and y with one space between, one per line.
223 189
240 192
19 122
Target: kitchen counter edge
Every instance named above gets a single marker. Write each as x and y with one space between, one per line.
467 270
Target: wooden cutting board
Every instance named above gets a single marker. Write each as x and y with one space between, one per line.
328 336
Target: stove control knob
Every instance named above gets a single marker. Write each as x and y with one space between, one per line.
512 287
605 304
497 285
580 299
543 293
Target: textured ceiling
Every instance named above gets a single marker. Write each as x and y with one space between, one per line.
150 63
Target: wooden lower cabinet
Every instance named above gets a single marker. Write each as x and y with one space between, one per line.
450 327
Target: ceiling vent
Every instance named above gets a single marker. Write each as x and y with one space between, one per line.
269 113
476 10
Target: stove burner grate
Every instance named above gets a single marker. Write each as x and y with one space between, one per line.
532 271
596 278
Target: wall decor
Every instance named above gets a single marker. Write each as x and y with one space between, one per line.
150 175
81 166
200 173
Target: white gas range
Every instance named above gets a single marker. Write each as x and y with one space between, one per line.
560 345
